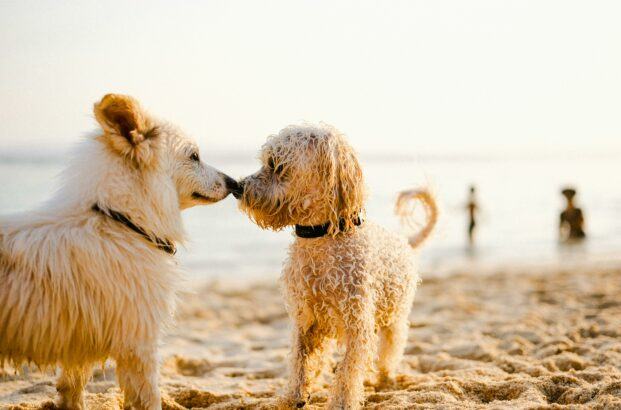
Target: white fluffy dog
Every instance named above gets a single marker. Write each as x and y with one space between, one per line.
91 275
345 278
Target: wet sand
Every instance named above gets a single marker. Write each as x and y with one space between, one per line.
533 339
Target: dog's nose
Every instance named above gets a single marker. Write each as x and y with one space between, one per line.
233 186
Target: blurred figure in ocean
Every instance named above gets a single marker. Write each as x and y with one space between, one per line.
571 226
472 209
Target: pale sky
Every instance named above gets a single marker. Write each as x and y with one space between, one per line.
414 77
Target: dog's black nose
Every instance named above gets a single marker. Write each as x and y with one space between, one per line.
235 188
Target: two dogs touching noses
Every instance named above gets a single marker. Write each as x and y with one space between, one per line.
92 274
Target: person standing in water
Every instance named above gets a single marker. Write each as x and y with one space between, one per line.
472 209
571 227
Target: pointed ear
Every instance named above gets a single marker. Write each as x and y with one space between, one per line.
126 126
122 115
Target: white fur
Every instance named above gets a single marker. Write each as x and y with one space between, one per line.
78 287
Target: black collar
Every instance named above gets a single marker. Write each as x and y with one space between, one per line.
317 231
163 244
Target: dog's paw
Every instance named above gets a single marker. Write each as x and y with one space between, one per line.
48 405
288 403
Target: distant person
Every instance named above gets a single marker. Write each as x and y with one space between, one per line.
571 225
472 209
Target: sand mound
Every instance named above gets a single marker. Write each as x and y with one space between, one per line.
532 340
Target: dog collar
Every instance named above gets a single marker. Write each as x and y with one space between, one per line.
163 244
317 231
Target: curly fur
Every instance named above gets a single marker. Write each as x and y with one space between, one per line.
355 285
330 181
78 287
404 209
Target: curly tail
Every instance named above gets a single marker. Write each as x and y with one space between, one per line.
404 209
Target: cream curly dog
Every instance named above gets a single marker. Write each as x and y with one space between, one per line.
92 273
345 278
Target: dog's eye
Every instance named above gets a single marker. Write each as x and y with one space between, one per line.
195 157
271 165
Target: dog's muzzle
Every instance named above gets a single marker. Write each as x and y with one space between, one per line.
233 186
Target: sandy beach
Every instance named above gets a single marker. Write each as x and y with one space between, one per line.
521 339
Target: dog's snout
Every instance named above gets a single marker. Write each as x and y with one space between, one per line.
233 186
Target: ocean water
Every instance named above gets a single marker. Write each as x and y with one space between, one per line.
519 200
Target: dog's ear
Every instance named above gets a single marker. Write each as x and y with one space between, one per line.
127 128
348 187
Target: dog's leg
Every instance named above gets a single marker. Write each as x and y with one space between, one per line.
360 343
392 342
123 375
393 338
137 373
306 363
70 386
